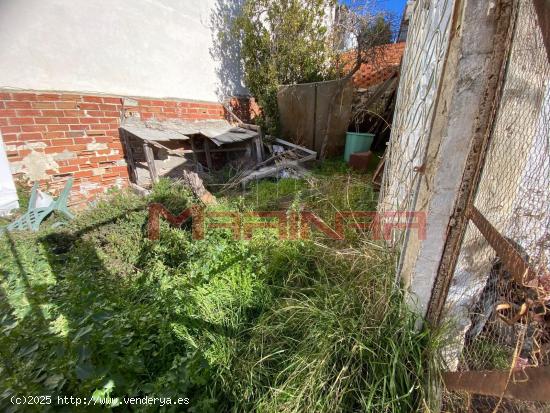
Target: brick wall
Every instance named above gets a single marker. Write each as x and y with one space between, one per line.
50 137
387 60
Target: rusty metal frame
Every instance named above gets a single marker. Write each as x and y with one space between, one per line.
530 383
510 257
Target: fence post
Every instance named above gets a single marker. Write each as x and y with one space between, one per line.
464 106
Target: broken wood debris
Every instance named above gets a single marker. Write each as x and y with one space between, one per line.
289 158
157 148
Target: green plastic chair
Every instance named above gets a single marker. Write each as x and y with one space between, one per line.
32 219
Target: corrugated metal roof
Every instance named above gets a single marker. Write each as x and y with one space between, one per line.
218 131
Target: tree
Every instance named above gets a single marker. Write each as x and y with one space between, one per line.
283 42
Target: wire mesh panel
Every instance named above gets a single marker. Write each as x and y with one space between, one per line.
421 71
499 321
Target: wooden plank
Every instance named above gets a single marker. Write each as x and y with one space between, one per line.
292 145
150 162
530 383
207 153
129 155
185 151
377 176
258 146
510 257
194 150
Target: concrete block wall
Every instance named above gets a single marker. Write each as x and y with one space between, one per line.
51 136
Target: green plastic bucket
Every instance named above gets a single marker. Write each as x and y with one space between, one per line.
357 142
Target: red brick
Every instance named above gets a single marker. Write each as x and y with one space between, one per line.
69 96
360 160
9 137
55 149
53 113
23 96
67 169
112 100
57 128
112 114
3 121
65 105
88 106
79 127
118 169
93 99
83 174
72 113
28 136
34 128
87 121
43 105
28 112
78 161
46 121
94 113
69 121
110 108
81 140
21 121
18 105
58 136
48 96
7 113
63 142
99 126
13 129
103 139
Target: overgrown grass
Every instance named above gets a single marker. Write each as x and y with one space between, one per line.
261 325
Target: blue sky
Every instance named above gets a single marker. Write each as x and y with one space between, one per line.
395 7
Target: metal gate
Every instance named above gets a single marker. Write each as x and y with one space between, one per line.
496 305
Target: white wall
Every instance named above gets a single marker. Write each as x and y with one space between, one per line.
8 193
156 48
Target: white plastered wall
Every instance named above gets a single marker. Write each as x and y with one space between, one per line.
153 48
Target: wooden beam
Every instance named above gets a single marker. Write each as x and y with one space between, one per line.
258 146
194 150
150 158
207 153
129 155
292 145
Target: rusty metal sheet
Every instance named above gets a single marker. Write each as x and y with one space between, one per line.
510 257
530 383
